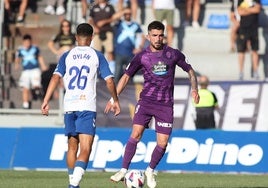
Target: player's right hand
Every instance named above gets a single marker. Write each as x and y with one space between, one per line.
113 107
116 108
45 108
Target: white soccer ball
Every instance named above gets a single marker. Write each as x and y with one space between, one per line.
134 179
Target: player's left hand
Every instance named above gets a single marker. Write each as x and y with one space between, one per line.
195 96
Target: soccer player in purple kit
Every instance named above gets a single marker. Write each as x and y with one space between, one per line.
158 63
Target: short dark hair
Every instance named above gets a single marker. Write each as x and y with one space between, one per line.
84 29
156 25
27 37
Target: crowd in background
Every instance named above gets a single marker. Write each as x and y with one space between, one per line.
118 26
15 10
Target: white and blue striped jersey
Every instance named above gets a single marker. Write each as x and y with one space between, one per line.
79 69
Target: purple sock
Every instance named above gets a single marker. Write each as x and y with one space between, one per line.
156 156
130 151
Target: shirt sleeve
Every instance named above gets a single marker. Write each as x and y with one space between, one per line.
215 99
55 38
18 54
135 65
104 69
61 66
183 61
37 51
112 10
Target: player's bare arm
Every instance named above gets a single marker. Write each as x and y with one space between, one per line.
55 79
120 87
194 86
250 10
112 105
122 83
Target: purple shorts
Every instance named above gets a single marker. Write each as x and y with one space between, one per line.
163 116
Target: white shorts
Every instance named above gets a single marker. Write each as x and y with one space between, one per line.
30 78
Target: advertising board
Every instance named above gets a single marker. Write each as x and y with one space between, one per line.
206 151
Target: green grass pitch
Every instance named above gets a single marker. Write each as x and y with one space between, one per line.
56 179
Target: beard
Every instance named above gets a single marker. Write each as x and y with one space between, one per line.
157 45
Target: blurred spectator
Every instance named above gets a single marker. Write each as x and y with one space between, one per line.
5 25
248 32
235 19
50 8
33 6
76 12
192 13
128 40
17 9
133 4
142 7
84 9
164 11
22 9
265 57
28 55
205 108
265 67
21 13
63 41
101 18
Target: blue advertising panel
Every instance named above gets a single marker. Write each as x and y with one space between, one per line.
206 151
8 139
34 148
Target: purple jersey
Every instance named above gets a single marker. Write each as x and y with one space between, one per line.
158 72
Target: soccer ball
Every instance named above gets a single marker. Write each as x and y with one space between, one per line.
134 179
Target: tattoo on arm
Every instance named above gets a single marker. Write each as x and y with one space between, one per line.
193 80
